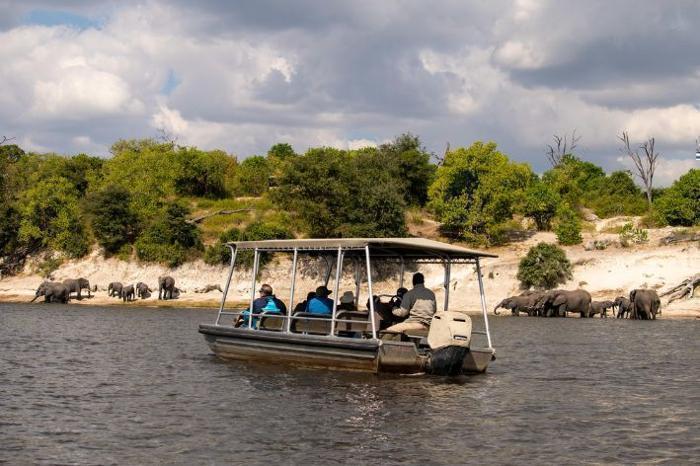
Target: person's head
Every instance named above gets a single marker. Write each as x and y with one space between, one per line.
322 292
347 298
401 291
265 290
310 295
418 279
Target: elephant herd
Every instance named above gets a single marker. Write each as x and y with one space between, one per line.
61 292
642 304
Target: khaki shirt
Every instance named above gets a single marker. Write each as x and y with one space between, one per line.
418 304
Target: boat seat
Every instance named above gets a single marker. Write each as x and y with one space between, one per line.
273 323
352 321
311 325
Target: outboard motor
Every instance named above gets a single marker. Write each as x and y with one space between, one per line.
449 337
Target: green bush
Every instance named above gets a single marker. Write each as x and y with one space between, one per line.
340 194
544 267
680 204
200 173
568 226
170 239
415 173
50 217
541 203
476 191
629 234
113 221
252 177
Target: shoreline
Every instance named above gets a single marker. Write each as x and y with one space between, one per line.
213 305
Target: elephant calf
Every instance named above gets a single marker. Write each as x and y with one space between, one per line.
601 307
624 307
115 289
524 302
143 291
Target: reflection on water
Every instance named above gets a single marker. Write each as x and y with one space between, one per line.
83 385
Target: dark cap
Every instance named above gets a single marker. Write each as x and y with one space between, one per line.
322 291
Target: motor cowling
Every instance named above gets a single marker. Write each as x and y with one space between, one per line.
449 328
449 337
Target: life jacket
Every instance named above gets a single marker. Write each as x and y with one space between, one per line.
271 306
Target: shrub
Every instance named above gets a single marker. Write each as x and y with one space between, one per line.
541 203
476 191
201 173
252 177
170 239
629 234
568 227
680 204
50 217
113 221
544 267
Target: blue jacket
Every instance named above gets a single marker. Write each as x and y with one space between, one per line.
319 305
261 304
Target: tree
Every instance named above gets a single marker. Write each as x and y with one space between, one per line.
281 151
476 191
50 217
415 172
568 227
561 148
545 266
541 203
252 177
644 163
169 239
199 173
573 179
113 221
340 194
680 205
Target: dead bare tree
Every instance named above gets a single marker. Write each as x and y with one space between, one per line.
440 159
4 140
562 146
644 162
684 289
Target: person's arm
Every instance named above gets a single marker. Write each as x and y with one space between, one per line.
406 305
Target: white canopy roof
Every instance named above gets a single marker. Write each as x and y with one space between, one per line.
410 248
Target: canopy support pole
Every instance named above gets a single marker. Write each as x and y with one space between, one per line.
228 282
328 271
446 284
338 269
483 304
291 291
402 272
371 295
357 283
256 261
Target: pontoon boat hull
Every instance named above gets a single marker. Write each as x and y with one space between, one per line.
338 353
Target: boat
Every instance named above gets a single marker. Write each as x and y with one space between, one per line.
353 340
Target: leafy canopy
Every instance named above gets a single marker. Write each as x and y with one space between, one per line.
544 267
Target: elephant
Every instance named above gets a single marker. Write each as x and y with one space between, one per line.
521 303
559 302
127 293
115 289
645 304
166 287
601 307
143 291
624 307
77 285
53 292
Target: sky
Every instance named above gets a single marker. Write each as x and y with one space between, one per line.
241 76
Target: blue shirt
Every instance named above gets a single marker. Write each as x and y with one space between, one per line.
320 306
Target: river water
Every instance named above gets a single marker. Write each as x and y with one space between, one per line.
91 385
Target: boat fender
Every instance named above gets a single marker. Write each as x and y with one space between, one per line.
449 328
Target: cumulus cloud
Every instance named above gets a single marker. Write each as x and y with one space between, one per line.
244 76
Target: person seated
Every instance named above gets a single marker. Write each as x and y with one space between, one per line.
266 303
321 304
396 299
347 302
418 305
302 306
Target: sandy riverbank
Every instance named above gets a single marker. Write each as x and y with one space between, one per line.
604 273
